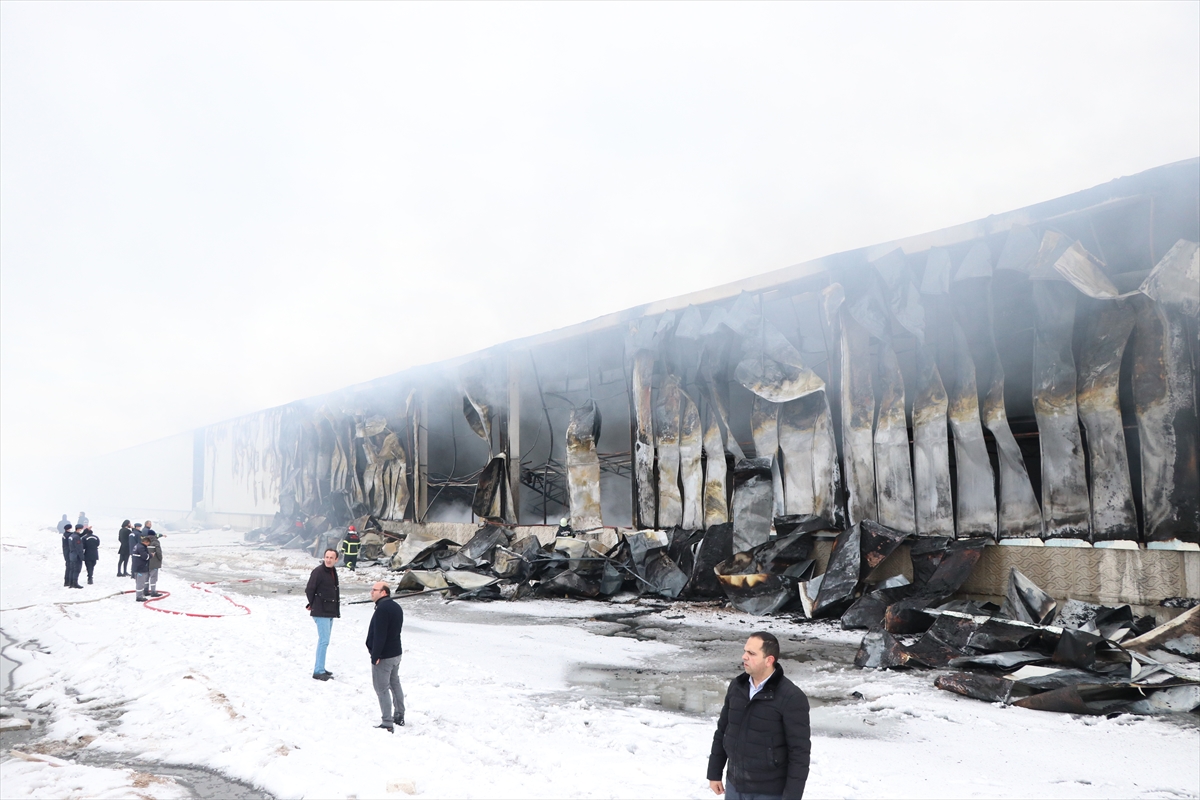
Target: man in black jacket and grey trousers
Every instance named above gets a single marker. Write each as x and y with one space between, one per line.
383 642
763 731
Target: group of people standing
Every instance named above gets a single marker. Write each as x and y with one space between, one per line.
139 554
80 546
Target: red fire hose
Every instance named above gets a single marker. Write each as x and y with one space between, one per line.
204 588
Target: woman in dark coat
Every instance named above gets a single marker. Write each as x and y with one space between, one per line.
123 553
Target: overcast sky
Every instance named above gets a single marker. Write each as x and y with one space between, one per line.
208 209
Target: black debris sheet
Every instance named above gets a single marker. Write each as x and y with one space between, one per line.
1034 652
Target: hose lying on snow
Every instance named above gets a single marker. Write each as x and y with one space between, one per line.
204 588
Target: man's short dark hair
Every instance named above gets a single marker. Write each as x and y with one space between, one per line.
770 645
387 590
330 550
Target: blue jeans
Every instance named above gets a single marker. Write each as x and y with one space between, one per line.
324 628
733 794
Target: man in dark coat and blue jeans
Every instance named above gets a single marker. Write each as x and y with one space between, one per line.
383 642
325 605
763 731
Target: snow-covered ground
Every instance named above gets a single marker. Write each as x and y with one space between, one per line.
526 699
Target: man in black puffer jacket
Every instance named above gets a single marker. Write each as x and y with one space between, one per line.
383 642
763 731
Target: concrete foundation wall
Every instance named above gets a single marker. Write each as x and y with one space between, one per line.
1094 575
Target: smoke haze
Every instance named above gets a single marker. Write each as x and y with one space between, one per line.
208 209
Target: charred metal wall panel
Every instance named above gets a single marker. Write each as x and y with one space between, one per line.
858 417
1065 506
1106 326
691 473
1164 393
643 453
666 440
1019 516
893 464
975 504
931 451
716 503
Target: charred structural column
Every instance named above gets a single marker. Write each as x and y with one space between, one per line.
514 433
583 467
1065 507
1105 330
420 458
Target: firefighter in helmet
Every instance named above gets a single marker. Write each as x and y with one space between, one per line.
350 547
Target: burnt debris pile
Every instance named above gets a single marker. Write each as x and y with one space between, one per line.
1034 652
1030 651
496 563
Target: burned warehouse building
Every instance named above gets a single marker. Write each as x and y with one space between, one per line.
1030 376
1004 410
